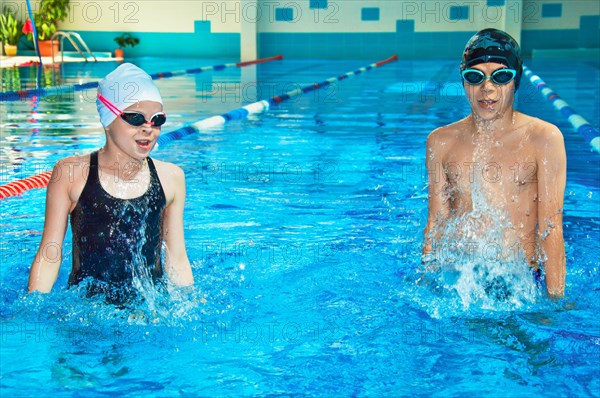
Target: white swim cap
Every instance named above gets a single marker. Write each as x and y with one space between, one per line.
123 87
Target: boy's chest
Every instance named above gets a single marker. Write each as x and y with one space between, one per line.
501 165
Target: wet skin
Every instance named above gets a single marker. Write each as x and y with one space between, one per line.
499 158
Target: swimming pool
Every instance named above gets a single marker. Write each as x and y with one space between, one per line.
304 227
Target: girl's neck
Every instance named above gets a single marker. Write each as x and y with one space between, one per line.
120 164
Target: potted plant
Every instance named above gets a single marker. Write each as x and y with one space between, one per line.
125 40
49 14
10 32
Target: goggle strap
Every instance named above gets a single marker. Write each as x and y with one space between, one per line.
111 107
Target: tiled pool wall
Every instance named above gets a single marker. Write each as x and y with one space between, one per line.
328 29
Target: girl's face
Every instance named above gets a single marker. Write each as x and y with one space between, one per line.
136 141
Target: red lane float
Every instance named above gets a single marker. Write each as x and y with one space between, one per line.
260 61
18 187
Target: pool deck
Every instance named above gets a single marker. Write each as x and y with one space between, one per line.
25 60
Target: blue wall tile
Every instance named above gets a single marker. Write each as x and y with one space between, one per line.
284 14
370 14
496 3
405 25
589 31
459 12
550 10
318 4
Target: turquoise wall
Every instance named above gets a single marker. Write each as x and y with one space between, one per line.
405 42
202 43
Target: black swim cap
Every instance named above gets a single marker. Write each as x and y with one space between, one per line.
493 45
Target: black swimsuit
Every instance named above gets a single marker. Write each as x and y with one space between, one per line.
116 240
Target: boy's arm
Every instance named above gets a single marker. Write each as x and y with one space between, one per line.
552 165
177 266
46 264
436 177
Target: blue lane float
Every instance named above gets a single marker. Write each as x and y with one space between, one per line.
582 126
60 90
260 106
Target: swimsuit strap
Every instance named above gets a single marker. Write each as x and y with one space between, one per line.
93 173
152 168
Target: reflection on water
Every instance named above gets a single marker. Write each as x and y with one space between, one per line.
26 77
36 130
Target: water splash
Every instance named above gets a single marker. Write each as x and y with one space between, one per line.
471 265
214 296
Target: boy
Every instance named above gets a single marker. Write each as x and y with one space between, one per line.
500 159
122 204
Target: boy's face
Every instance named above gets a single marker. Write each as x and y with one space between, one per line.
490 101
136 141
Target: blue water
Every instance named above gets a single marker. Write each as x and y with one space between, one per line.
304 227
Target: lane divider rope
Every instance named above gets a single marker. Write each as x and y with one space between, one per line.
18 187
582 126
260 106
41 180
57 90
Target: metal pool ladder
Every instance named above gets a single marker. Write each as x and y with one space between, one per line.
60 35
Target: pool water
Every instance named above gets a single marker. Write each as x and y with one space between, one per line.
304 227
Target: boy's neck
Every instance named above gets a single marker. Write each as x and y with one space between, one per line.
499 125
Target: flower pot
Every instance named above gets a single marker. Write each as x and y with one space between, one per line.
46 48
10 50
119 53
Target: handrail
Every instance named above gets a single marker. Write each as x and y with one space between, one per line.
62 36
69 36
85 46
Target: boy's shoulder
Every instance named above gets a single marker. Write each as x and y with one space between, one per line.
448 132
539 126
540 130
